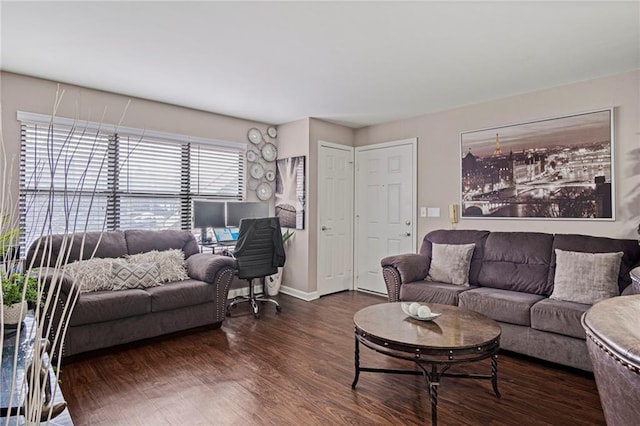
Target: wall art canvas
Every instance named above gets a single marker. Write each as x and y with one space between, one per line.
558 168
290 192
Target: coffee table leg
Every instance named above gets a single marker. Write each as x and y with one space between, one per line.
434 382
357 363
494 374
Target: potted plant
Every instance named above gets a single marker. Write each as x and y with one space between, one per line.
15 307
274 281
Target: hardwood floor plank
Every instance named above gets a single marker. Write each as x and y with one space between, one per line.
296 368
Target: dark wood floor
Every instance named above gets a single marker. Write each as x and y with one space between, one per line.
296 368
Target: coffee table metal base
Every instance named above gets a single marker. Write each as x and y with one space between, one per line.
438 360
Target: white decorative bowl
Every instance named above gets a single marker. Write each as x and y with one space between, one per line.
405 309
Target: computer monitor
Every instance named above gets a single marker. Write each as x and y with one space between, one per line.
208 214
237 210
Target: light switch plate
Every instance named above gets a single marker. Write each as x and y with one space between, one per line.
433 212
423 212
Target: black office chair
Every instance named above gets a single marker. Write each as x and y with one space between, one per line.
259 252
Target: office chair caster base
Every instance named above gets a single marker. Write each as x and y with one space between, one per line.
254 308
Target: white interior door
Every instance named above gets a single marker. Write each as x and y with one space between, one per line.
385 208
335 218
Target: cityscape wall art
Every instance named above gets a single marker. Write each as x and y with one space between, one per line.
557 168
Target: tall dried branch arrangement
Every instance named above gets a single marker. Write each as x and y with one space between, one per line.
32 394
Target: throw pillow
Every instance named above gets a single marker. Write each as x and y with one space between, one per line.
450 263
135 275
586 277
170 263
91 275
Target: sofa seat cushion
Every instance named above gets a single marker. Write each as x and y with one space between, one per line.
559 317
501 305
432 292
108 305
179 294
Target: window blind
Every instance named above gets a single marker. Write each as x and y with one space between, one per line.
88 179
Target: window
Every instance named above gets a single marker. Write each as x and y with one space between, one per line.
90 178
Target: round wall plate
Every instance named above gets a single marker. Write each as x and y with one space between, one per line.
270 175
254 135
264 191
269 152
256 171
252 155
272 131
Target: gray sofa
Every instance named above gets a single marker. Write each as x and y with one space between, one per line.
102 319
510 279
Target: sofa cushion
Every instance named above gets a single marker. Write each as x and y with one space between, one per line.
103 306
458 236
179 294
450 263
501 305
590 244
91 274
139 241
586 277
170 263
559 317
432 292
517 261
135 275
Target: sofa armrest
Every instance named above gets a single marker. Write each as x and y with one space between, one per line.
217 271
54 278
403 268
205 267
60 294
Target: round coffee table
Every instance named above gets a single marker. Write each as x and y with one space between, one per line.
457 336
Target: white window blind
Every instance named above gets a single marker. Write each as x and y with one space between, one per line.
63 180
131 179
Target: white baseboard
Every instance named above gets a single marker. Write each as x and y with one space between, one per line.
306 296
244 291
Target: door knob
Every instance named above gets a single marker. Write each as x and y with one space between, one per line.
406 234
324 228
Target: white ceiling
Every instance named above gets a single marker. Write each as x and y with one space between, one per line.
356 63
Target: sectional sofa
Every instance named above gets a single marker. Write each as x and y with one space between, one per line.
511 279
106 317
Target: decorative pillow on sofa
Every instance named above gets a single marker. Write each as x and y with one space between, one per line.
450 263
135 275
170 263
586 277
92 274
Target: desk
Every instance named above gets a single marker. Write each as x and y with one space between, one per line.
215 248
25 343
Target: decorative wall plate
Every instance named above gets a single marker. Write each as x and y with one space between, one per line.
272 132
270 175
264 191
269 152
254 135
256 171
252 155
